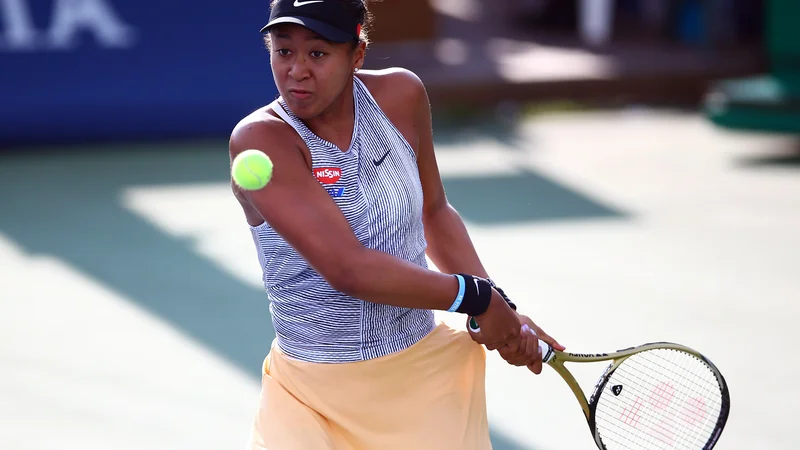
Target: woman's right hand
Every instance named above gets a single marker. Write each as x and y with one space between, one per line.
499 325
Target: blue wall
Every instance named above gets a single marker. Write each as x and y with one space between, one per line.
77 70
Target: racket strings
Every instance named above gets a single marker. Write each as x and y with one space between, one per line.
659 399
697 411
661 422
661 429
663 395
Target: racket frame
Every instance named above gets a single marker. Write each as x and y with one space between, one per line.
556 359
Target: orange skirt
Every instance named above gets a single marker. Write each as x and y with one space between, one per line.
430 396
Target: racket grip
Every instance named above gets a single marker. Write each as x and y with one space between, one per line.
544 347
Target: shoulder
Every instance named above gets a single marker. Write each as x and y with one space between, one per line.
394 84
400 94
259 128
394 77
263 130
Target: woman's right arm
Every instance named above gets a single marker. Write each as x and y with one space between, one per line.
298 208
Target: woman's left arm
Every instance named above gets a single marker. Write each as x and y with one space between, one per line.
449 244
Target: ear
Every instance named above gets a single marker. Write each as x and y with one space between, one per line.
358 56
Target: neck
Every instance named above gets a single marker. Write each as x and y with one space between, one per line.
337 121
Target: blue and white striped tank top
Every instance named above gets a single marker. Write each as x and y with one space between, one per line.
376 185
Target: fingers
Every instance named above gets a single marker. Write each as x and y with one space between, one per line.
527 352
536 367
546 337
530 351
509 356
527 349
519 358
509 345
510 340
514 343
550 340
553 343
524 351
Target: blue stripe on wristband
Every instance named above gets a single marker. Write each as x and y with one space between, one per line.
460 296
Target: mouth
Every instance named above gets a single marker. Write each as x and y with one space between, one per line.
300 94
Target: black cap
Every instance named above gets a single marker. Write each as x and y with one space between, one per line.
328 18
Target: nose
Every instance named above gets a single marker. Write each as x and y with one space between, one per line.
299 69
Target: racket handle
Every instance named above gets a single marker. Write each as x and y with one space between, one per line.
544 347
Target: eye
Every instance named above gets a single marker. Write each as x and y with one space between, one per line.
283 52
317 54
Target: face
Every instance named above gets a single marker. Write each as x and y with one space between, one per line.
310 72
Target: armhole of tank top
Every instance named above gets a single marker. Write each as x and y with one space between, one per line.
276 106
364 88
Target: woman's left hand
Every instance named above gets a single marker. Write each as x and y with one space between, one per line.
527 353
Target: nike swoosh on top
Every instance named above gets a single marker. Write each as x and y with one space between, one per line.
380 161
298 4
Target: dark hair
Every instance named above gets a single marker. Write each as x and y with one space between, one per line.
358 8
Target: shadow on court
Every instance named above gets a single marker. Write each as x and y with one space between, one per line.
520 198
511 198
784 158
73 212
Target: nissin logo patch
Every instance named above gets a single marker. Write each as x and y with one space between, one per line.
328 175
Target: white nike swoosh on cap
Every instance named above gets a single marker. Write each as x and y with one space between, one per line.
298 4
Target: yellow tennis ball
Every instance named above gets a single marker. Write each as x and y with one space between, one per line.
251 170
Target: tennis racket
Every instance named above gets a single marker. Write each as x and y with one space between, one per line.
655 396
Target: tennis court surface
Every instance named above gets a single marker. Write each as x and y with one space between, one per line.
132 315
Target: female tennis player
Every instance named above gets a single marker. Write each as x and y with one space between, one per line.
342 230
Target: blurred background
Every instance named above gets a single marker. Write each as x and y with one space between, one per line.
628 170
